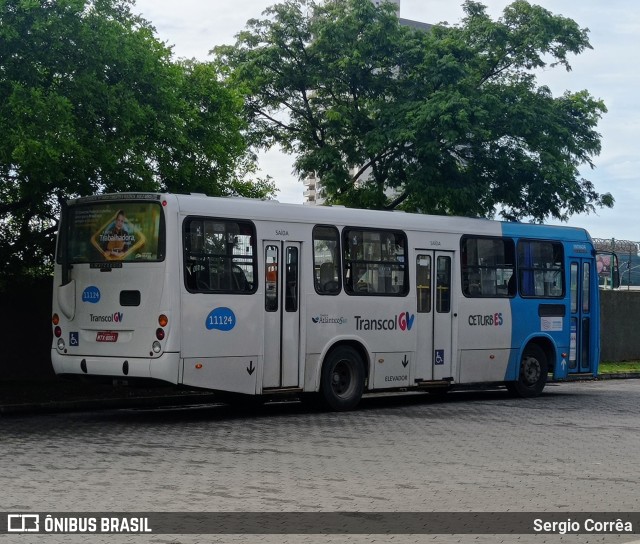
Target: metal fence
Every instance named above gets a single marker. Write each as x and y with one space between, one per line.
628 254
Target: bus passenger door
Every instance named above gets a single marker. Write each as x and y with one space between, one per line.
434 317
282 314
580 349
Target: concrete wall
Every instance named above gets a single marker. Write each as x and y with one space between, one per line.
25 331
619 325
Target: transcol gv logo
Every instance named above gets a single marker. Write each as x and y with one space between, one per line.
403 321
116 317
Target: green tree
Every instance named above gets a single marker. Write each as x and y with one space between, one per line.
449 121
91 101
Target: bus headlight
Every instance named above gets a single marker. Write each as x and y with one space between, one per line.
61 344
157 348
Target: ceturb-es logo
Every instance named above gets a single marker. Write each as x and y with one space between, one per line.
403 321
115 317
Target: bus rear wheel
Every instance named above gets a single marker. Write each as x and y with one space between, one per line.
342 381
533 373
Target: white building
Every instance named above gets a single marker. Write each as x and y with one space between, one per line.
312 191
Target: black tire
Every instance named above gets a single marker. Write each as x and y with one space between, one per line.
342 380
532 376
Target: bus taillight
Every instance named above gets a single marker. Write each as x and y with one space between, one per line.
55 319
156 347
57 331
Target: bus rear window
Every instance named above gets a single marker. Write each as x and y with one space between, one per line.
115 231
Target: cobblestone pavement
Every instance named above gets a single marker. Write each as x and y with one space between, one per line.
576 448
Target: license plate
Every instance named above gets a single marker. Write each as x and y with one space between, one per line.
107 336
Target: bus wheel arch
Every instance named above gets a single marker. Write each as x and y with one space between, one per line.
533 368
343 376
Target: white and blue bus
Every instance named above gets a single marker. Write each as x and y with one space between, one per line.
262 298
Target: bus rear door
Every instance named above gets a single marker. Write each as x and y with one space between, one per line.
582 342
282 314
434 318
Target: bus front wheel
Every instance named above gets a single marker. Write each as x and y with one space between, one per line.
342 381
533 373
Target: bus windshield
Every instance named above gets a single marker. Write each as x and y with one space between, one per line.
107 231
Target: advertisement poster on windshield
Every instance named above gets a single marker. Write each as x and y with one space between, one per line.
114 231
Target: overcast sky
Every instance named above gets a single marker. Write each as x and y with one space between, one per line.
611 71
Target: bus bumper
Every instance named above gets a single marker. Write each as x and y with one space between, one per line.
163 368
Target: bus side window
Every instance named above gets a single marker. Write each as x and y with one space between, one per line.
541 266
326 260
488 267
219 256
374 262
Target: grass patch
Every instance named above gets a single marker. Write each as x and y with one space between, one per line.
613 368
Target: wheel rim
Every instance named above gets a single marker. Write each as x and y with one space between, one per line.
342 379
531 369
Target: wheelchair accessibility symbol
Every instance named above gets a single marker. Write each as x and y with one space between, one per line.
74 339
439 357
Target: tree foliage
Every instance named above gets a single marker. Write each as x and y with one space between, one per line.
448 121
91 101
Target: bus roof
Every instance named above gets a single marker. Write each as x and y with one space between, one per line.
270 210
